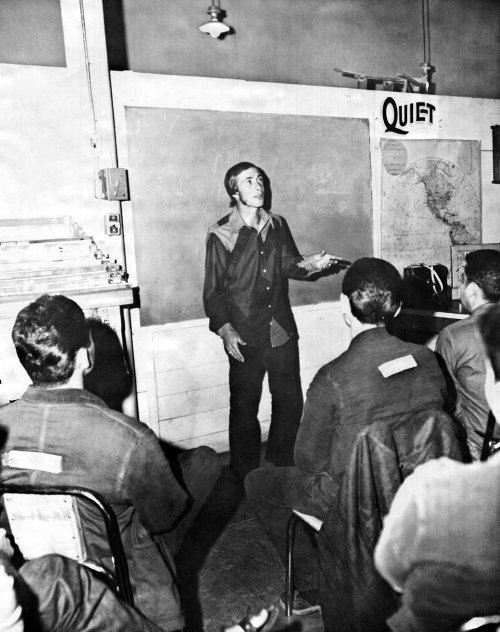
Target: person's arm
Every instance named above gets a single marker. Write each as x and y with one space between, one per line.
395 548
214 291
11 619
444 353
152 487
297 266
314 439
214 297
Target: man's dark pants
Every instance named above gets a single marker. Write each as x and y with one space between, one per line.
245 383
59 595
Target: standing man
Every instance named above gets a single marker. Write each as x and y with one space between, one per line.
460 345
250 256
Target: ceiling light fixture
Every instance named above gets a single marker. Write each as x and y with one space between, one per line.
214 27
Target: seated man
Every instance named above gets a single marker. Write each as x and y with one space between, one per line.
378 378
440 545
89 445
460 347
55 594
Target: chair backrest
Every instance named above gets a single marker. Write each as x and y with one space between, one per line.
46 519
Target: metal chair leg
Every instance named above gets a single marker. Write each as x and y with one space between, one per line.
289 575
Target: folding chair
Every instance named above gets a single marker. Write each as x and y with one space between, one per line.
295 518
46 520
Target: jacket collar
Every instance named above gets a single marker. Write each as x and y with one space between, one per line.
40 395
376 333
480 310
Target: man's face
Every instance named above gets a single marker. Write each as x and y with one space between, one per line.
465 290
250 188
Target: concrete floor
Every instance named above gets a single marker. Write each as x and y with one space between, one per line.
228 568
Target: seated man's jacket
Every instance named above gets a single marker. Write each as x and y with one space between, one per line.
116 456
460 345
351 393
354 597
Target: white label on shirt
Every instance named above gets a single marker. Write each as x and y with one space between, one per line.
33 461
397 366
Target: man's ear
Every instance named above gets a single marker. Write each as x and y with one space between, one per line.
345 306
82 360
477 292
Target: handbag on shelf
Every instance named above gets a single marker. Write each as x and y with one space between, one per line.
426 286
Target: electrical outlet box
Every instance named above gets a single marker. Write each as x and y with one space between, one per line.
114 184
112 224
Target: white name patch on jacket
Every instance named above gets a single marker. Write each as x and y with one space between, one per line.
397 366
33 461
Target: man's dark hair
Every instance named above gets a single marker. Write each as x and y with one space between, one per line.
47 335
232 175
489 327
374 289
483 268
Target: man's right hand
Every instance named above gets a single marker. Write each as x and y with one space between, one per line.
232 341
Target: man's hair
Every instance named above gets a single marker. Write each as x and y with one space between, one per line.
232 175
374 289
489 327
47 335
483 268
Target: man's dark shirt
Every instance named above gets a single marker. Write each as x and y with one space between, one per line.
245 278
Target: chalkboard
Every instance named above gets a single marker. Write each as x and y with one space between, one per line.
318 167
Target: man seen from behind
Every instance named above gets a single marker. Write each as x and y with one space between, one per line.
84 443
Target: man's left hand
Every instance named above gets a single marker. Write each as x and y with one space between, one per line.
319 261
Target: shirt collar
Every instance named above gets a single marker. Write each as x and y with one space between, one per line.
236 221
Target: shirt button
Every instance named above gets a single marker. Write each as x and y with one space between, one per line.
269 306
265 270
261 252
267 288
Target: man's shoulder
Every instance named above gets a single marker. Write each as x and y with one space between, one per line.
214 228
330 370
462 332
415 349
120 421
365 355
82 406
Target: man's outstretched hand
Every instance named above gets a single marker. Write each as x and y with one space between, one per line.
322 261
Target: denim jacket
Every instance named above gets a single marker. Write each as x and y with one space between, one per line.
120 458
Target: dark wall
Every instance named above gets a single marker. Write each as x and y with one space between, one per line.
301 41
283 41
